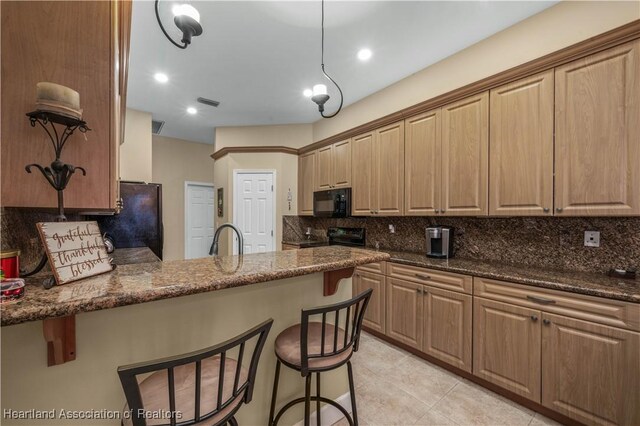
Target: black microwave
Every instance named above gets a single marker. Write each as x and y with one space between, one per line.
332 203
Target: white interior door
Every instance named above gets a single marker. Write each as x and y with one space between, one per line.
199 219
254 210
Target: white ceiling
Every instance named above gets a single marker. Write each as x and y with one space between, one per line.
257 57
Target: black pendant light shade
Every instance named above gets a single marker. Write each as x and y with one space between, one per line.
187 19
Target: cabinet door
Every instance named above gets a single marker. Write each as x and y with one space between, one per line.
422 164
590 372
597 145
65 43
506 346
521 154
447 326
324 175
389 182
306 182
341 164
404 312
374 317
363 174
465 152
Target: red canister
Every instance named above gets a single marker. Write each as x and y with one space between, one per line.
9 263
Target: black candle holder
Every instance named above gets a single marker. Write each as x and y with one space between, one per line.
58 174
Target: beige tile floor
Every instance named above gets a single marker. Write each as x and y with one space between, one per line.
394 387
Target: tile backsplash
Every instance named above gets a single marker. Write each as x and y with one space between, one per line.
549 242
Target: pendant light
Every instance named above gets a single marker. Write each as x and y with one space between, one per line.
187 19
320 95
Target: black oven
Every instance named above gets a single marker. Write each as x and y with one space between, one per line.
332 203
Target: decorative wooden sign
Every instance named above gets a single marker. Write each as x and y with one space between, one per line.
75 250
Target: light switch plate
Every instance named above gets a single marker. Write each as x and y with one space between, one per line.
592 238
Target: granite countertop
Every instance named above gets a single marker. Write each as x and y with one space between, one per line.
306 243
146 282
590 283
128 256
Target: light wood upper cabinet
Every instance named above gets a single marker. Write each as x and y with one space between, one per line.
306 182
506 346
341 164
590 372
404 312
82 45
597 147
521 154
324 175
333 166
363 174
447 326
389 182
374 317
465 152
422 164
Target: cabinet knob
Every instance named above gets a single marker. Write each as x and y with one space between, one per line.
422 277
437 211
419 290
558 209
442 211
546 209
546 321
534 318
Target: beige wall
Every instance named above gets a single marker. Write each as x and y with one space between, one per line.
286 168
135 152
174 162
291 135
555 28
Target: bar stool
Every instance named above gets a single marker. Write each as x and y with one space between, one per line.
205 387
313 347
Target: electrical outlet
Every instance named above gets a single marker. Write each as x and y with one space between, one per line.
592 238
392 229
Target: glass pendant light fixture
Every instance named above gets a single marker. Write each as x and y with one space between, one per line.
320 96
187 19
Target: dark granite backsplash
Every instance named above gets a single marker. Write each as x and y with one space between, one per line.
548 242
18 231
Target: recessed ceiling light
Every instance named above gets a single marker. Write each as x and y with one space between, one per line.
192 110
307 93
364 54
160 77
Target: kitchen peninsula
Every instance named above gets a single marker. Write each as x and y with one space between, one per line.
222 297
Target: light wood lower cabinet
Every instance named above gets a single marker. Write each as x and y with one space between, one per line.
506 346
447 326
374 317
590 372
404 312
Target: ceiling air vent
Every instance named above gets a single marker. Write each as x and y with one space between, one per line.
156 126
208 102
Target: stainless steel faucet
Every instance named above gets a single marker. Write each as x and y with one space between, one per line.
214 247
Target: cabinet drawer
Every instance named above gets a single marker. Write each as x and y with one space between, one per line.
440 279
596 309
377 267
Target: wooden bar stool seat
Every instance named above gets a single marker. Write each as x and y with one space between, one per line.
205 388
288 346
317 346
155 390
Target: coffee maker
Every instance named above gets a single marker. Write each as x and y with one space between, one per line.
439 241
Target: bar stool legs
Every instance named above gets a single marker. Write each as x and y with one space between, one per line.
274 418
